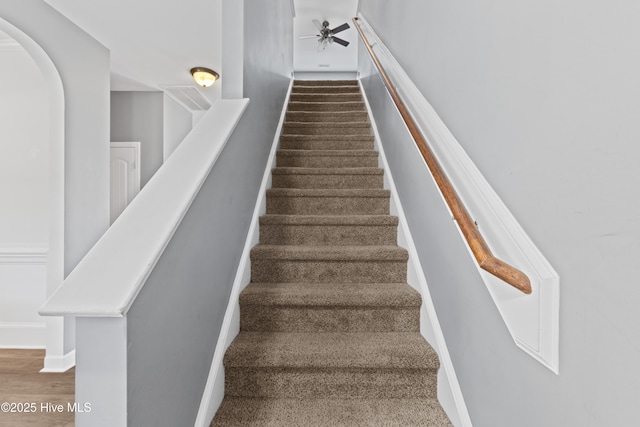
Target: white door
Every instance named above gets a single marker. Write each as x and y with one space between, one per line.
125 175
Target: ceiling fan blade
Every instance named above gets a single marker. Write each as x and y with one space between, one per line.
317 24
309 37
340 28
340 41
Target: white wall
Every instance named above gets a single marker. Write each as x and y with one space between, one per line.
24 151
24 168
543 97
177 123
76 69
139 116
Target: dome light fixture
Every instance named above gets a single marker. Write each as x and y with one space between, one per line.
204 76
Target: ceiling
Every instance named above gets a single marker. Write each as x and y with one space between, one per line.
152 42
155 43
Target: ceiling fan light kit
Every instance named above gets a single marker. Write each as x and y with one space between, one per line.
327 35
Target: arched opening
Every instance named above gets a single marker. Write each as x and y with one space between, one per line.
53 95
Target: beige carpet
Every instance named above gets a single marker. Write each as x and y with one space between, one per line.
329 329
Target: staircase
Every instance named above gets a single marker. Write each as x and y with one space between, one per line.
329 329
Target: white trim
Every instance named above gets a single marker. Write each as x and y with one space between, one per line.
532 320
449 392
214 388
107 281
33 256
59 363
293 8
22 335
136 146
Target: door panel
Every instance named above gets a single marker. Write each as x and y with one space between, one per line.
125 175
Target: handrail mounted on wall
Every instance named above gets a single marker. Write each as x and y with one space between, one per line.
472 235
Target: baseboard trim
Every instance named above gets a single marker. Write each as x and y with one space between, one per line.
449 391
59 363
214 388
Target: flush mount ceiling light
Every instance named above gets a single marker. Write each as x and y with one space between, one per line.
204 76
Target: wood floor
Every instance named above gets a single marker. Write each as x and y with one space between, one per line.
23 386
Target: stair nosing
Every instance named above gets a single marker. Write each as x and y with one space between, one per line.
329 192
297 219
271 346
364 253
296 170
285 152
331 295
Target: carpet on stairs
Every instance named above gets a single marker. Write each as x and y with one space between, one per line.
329 328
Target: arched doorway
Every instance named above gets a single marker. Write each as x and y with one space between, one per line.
57 359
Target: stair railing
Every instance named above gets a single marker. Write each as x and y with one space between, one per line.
483 255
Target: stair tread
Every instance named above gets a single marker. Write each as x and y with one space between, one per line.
325 89
329 253
327 153
373 220
336 350
294 105
345 138
331 295
250 412
337 82
292 170
321 93
357 124
326 114
329 192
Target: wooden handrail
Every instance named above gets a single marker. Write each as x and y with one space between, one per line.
476 242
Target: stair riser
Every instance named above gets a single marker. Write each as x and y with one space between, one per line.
327 106
325 130
313 235
327 181
330 383
325 89
320 97
299 83
327 205
327 117
327 161
300 143
324 319
322 271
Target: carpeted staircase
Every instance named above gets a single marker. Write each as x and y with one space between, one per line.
329 329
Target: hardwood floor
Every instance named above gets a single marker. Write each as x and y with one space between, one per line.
44 395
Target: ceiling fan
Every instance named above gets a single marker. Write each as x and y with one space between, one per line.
326 36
